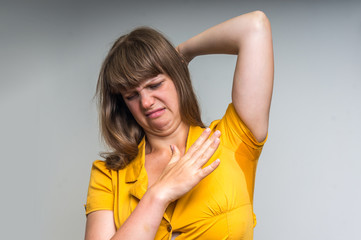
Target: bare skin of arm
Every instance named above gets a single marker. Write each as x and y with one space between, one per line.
180 176
249 37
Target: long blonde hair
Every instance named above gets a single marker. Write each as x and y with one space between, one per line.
141 54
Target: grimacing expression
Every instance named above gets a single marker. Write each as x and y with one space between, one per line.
154 104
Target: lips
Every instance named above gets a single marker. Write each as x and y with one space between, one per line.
155 113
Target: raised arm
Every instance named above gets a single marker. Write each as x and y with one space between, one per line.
248 36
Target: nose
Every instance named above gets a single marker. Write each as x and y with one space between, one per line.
146 100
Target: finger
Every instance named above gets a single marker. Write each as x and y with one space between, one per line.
198 143
209 169
207 145
208 153
175 154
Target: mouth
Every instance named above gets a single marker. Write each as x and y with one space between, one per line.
155 113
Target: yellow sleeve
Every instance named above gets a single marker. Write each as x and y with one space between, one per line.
235 132
236 136
100 191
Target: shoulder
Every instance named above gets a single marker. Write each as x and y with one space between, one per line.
99 166
101 178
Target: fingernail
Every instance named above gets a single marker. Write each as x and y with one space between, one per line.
171 147
207 130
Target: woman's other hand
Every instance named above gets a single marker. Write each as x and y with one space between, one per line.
186 57
184 173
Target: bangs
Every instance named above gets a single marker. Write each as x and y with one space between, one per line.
129 65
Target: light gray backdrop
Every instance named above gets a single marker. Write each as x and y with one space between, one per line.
308 178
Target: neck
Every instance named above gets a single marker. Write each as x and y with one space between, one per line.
178 137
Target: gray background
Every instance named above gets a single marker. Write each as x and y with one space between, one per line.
308 178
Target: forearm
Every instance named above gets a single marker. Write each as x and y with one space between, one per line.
144 221
227 37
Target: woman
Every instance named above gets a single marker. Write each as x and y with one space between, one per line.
166 175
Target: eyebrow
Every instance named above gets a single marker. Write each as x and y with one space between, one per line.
146 83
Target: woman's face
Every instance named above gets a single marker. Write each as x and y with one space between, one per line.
154 105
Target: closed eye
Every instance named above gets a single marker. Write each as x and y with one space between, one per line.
131 96
155 86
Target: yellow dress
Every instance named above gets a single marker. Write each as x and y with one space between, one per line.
219 207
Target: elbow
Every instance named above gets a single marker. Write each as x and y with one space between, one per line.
259 22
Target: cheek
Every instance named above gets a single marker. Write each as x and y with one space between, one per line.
175 102
133 108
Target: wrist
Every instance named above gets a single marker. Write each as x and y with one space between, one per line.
157 197
184 52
